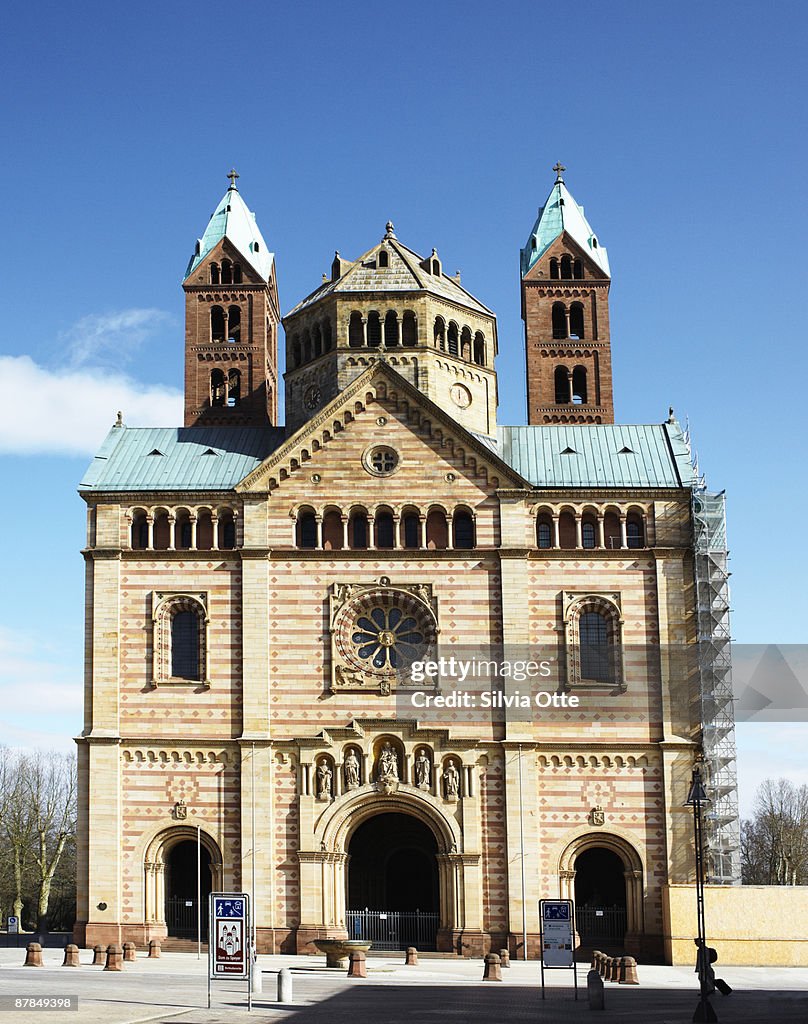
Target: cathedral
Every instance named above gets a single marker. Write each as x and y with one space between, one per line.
259 596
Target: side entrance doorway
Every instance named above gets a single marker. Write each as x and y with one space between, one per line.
181 907
600 897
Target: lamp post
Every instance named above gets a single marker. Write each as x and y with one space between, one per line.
695 798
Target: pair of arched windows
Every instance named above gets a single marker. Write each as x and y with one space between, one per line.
568 323
459 341
311 344
566 268
570 387
227 273
225 326
225 390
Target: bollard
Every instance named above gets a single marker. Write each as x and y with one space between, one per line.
492 970
628 971
285 985
594 990
596 954
411 959
154 949
71 956
114 958
602 958
614 966
129 949
33 955
99 956
256 978
505 958
357 967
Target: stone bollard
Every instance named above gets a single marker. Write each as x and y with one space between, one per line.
154 950
99 956
129 950
505 957
594 990
602 959
596 955
285 985
33 955
493 968
614 965
412 957
357 966
71 956
628 971
114 958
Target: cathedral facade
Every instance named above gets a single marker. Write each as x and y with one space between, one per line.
256 594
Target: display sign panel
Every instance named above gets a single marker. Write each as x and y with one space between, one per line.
558 933
229 935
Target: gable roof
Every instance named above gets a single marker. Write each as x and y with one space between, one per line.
404 274
559 214
178 458
233 220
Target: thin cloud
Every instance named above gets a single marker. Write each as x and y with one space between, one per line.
69 411
111 337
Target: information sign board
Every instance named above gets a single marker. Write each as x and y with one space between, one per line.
13 925
557 930
229 935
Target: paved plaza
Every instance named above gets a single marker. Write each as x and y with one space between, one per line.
174 988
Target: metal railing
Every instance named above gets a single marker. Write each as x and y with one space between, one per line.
393 929
601 922
181 918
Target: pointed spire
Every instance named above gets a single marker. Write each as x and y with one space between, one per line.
561 213
233 220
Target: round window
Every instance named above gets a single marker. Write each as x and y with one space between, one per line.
381 461
385 630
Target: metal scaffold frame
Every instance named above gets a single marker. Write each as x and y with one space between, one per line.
716 711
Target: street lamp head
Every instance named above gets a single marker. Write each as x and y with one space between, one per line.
697 793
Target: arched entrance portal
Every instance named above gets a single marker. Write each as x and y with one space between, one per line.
182 889
392 884
600 896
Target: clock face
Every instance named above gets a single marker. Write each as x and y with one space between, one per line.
312 396
460 395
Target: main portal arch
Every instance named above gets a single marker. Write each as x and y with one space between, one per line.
180 863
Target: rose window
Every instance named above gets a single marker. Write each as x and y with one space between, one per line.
387 636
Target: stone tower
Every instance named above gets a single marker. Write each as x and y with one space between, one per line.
565 307
392 305
231 322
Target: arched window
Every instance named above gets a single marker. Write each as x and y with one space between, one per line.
611 529
465 343
383 523
182 531
161 533
544 532
559 320
437 532
479 348
578 269
595 653
453 340
234 323
216 323
409 329
374 329
306 529
561 382
227 530
237 271
579 385
295 353
307 346
588 533
554 268
214 273
325 329
204 530
439 333
566 266
384 258
179 641
463 529
318 340
356 333
332 530
566 530
233 388
227 272
358 530
635 533
185 645
216 388
576 320
140 531
411 528
391 329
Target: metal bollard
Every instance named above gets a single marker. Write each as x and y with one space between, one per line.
99 956
114 958
256 978
155 949
492 970
594 990
129 949
33 955
411 959
357 965
71 956
628 971
285 985
505 957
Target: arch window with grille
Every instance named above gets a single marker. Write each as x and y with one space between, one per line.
180 640
594 641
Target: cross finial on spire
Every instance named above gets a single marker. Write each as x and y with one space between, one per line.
233 175
559 170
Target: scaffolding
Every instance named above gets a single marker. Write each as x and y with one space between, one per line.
715 708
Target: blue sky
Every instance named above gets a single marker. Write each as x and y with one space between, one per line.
683 130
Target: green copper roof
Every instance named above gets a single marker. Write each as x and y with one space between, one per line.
609 455
561 213
232 220
178 458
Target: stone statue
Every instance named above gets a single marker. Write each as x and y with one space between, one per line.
388 765
451 781
324 780
351 769
422 770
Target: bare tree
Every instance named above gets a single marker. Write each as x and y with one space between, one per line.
15 825
50 782
774 843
